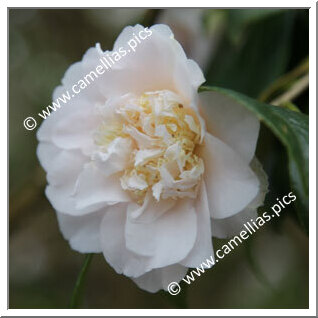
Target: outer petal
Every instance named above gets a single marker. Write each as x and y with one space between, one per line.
160 278
44 132
113 244
202 248
228 227
87 98
62 199
150 211
75 129
168 239
172 69
230 122
47 153
231 184
87 193
93 188
62 166
82 232
79 70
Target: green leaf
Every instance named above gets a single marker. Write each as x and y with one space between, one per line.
291 128
241 19
260 53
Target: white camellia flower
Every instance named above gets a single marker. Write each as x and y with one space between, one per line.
145 170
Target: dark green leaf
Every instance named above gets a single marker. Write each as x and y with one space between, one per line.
241 19
291 128
252 55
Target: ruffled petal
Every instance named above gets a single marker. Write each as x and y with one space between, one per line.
116 158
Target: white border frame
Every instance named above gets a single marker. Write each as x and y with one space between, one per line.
163 312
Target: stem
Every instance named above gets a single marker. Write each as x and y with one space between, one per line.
77 292
284 81
293 92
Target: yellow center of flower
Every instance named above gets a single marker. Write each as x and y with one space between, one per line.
164 135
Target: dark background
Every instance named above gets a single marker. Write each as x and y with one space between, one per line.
245 50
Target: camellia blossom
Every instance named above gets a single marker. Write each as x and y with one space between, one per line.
142 168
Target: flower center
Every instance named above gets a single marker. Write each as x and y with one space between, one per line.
165 134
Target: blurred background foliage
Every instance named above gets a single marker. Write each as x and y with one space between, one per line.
250 51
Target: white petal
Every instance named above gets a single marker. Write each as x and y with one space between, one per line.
116 158
150 210
160 278
87 98
229 121
157 190
63 171
202 248
161 131
79 70
64 167
82 232
75 130
44 133
113 244
168 239
133 182
228 227
47 153
258 201
172 69
94 189
62 199
143 141
191 123
231 184
174 152
197 77
88 192
143 156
